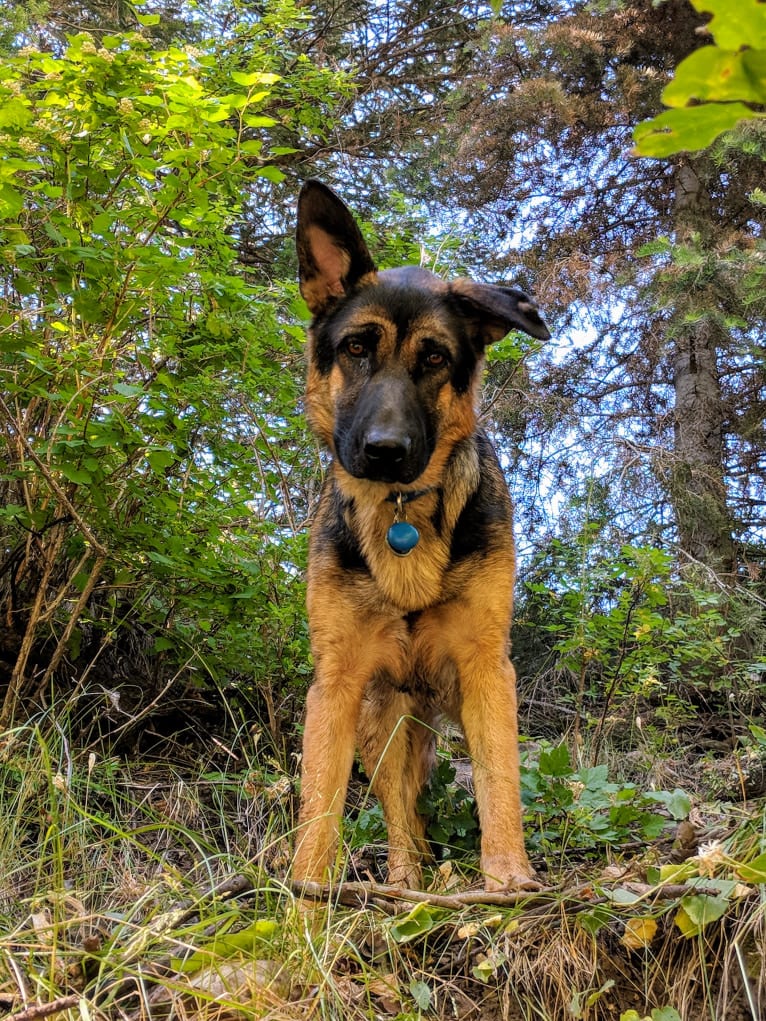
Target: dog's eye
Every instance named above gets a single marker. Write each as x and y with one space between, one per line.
435 360
355 348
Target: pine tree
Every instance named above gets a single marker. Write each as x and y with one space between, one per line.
658 260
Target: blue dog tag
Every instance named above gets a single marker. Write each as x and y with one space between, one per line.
402 537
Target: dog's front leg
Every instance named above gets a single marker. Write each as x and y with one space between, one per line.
488 714
332 711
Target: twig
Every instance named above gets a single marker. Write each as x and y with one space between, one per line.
57 489
74 616
17 683
37 1010
359 894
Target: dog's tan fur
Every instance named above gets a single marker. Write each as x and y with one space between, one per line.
399 641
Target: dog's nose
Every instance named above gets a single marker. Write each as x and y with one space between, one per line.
386 451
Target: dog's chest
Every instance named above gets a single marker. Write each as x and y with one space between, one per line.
422 578
424 670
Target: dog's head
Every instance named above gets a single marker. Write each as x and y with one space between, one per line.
394 357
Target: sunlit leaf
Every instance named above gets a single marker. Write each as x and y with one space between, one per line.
671 873
639 933
735 23
721 75
259 121
223 945
248 78
11 202
14 113
697 911
687 130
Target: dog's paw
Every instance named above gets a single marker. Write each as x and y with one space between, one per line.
509 875
405 875
517 883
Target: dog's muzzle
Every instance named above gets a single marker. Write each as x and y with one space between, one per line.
385 437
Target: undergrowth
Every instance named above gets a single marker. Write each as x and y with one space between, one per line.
138 892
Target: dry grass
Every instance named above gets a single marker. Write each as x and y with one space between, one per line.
130 894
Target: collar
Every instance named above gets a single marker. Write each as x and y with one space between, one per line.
400 497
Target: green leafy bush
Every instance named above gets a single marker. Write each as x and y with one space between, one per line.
453 823
581 810
628 638
152 463
567 810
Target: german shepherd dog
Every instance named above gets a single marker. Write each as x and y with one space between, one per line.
411 561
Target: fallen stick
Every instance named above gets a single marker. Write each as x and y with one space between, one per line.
357 894
37 1010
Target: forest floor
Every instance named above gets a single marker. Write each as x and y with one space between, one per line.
136 891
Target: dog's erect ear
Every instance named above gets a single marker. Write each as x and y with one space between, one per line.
498 309
332 255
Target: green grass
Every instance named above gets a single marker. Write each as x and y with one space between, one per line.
146 891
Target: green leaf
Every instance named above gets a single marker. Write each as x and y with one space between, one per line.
258 120
677 802
148 19
273 174
128 389
687 130
753 871
622 896
697 911
677 873
421 994
248 78
215 114
416 923
74 474
665 1014
595 919
14 113
160 459
243 943
556 762
484 970
11 202
735 23
720 75
658 1014
160 558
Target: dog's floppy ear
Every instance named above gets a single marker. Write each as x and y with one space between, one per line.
332 255
498 309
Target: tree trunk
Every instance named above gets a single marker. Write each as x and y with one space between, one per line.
697 489
698 492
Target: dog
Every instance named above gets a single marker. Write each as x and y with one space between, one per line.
411 557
